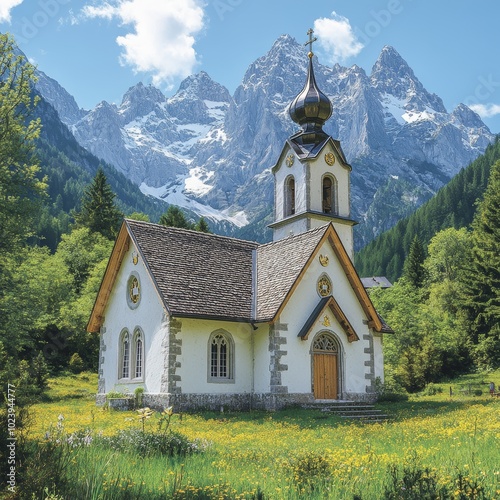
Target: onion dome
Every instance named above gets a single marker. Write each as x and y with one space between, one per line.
311 108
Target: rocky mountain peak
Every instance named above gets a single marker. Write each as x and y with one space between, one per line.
284 44
211 153
59 98
390 61
140 100
286 55
201 86
468 117
393 78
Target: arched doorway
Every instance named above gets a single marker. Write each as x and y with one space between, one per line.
326 364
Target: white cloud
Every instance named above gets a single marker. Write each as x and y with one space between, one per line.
162 37
336 37
486 110
5 7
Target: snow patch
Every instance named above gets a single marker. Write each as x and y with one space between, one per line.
195 182
176 195
216 110
414 116
394 106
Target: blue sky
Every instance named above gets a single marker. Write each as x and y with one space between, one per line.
97 49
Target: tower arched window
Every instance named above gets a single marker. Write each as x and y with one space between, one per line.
124 355
221 357
329 195
289 196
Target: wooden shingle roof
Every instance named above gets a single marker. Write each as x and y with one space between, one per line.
279 264
197 274
215 277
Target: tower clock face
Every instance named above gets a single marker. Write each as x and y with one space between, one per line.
290 159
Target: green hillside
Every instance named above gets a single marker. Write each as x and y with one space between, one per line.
453 206
69 168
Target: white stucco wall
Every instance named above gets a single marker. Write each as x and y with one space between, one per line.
317 170
195 358
297 226
298 377
119 316
262 360
309 195
252 357
282 173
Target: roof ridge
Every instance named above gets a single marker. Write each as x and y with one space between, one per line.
192 232
297 236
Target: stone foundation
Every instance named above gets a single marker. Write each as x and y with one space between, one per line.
360 397
232 402
100 399
225 402
121 404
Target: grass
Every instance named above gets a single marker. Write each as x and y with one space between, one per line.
288 454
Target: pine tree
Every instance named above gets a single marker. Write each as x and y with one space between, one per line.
99 212
202 226
453 206
414 264
174 217
482 278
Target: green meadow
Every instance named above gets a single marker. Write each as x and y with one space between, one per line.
432 446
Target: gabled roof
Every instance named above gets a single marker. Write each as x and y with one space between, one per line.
332 304
376 281
195 274
209 276
122 244
309 152
198 274
281 264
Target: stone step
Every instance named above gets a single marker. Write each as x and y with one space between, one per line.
366 416
356 411
337 404
347 408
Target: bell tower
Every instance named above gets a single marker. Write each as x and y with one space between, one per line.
312 176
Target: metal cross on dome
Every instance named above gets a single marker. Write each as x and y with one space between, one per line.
311 40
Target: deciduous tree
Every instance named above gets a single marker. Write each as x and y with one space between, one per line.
20 188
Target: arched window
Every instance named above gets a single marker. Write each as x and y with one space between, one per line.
329 195
138 354
289 196
125 355
325 342
221 355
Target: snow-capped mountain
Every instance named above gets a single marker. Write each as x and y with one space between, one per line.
212 152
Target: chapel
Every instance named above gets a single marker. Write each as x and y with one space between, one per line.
201 321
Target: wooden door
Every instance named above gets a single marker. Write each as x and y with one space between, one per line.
325 376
